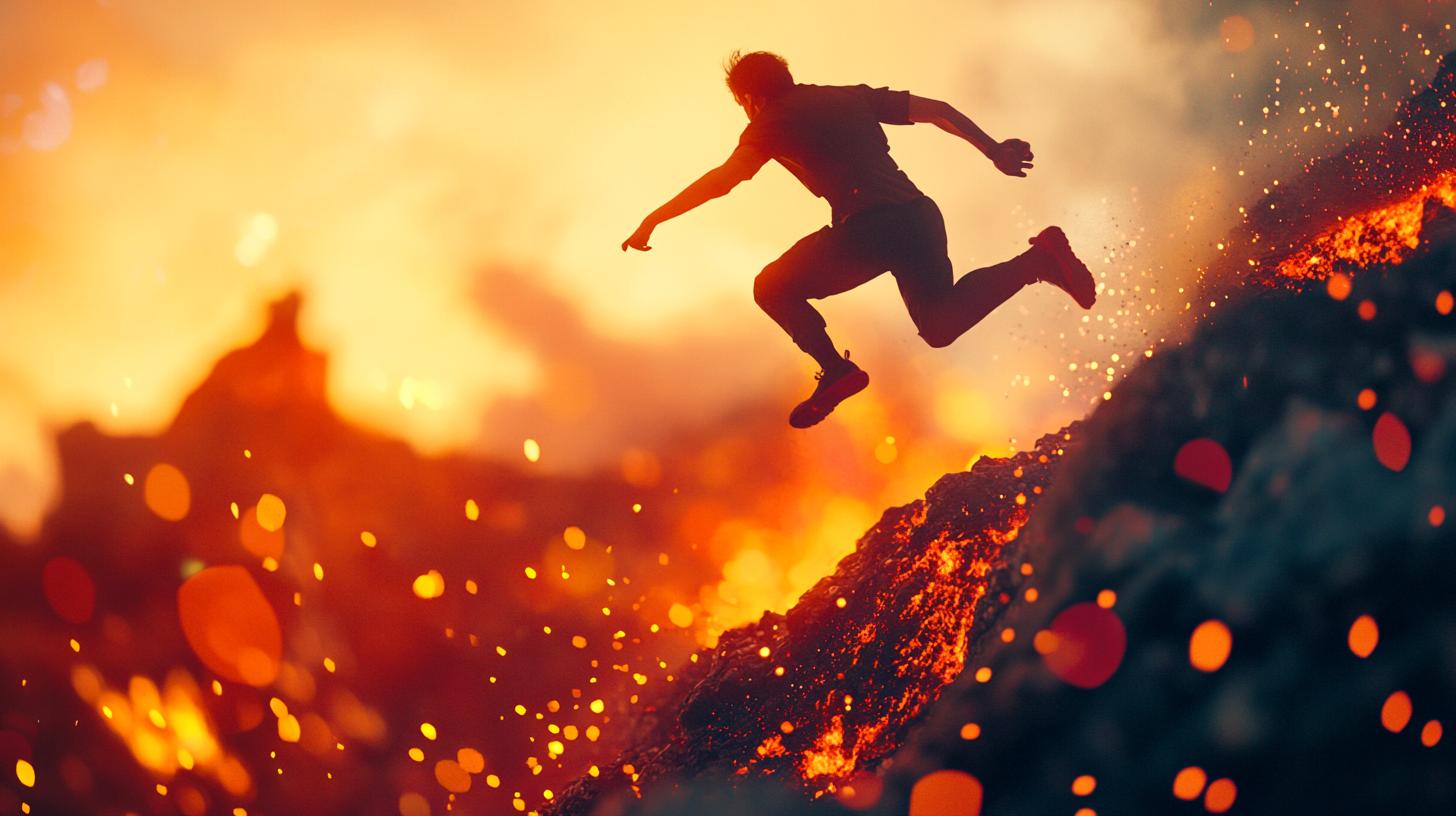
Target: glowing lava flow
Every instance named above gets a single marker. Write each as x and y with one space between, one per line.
826 691
1383 235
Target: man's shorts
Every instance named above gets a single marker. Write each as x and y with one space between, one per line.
907 240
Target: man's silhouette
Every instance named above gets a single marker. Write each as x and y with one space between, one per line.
830 138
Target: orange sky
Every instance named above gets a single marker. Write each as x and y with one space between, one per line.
448 183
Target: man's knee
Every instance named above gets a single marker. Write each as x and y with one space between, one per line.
769 289
937 338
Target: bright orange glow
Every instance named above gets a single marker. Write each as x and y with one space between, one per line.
1209 646
1436 515
1189 782
1220 796
1366 310
1443 302
970 731
271 512
167 729
257 540
451 776
230 625
946 793
1106 599
1364 635
471 760
1395 714
429 585
1084 785
1366 399
1338 286
167 493
1236 33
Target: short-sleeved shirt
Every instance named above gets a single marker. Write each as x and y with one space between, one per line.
830 138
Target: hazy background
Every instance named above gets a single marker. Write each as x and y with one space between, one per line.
448 183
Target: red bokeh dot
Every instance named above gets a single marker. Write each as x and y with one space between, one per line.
1087 645
1392 442
1204 462
68 589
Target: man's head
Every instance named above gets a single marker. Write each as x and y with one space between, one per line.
757 78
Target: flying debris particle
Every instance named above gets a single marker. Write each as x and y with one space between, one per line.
413 804
167 493
1084 645
1338 286
1209 646
946 793
1395 714
597 706
1444 302
25 772
970 731
1392 442
1204 462
69 590
574 537
471 760
472 510
271 512
1431 734
1189 782
1363 637
318 571
1236 34
288 728
368 539
1366 399
429 585
230 625
428 730
451 776
532 449
531 573
1107 599
1366 310
1220 796
1436 516
416 754
680 616
1084 785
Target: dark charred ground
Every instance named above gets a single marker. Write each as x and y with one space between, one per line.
1312 533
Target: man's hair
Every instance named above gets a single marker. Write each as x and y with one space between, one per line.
759 74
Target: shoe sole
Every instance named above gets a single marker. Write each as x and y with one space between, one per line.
842 389
1076 278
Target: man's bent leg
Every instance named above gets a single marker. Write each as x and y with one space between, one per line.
817 266
974 296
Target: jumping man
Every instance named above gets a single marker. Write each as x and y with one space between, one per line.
830 138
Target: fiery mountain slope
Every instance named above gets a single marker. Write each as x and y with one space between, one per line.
1316 523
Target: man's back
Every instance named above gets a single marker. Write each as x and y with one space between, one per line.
830 138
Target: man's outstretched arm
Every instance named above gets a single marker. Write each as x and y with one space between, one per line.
1012 157
740 166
